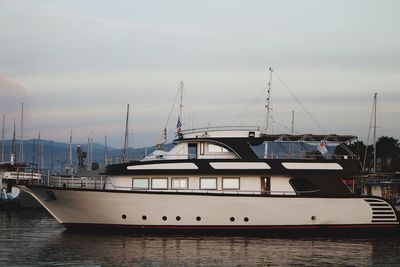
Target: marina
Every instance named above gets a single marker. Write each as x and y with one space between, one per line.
208 133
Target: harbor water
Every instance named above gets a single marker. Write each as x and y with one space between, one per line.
34 238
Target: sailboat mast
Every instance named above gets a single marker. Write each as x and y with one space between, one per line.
375 102
268 104
105 150
13 150
70 167
126 141
2 140
21 147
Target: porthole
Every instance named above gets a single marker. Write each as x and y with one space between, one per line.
313 218
123 216
178 218
246 219
144 217
232 219
198 218
164 218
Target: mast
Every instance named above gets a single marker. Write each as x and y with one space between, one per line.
21 147
126 141
70 166
13 147
40 160
291 146
268 104
268 110
2 140
105 150
375 102
52 156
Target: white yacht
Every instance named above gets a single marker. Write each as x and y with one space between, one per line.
213 179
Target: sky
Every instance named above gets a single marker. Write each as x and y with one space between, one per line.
77 64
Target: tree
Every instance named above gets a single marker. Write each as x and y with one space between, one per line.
388 153
387 157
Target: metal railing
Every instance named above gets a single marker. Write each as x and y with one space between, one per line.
84 182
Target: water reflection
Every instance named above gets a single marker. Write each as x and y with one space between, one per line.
30 237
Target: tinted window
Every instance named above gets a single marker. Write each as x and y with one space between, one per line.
301 184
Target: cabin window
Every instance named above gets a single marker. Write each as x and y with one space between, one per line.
208 183
179 183
230 183
216 149
303 185
192 151
140 183
159 183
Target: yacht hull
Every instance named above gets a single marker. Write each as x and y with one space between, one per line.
184 211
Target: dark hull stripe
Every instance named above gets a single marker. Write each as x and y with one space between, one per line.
379 205
373 200
221 227
384 217
386 221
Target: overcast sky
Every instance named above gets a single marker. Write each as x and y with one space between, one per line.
76 64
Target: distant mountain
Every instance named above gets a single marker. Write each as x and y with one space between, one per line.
55 154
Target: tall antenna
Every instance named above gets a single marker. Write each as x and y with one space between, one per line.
21 146
179 122
2 140
126 141
268 104
268 109
292 129
181 103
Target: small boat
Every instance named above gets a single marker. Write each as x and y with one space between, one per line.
12 174
214 180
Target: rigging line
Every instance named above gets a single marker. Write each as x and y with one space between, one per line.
284 126
298 101
170 113
250 110
251 105
369 132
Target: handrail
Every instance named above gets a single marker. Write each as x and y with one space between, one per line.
221 128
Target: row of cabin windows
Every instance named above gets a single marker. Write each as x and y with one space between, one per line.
228 183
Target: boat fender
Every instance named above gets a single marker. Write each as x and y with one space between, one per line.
51 195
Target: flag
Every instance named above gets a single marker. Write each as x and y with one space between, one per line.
322 148
178 125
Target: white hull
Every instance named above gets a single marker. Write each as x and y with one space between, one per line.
126 209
